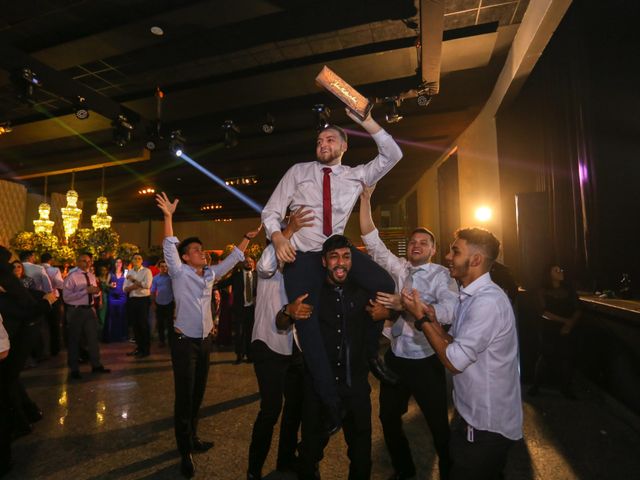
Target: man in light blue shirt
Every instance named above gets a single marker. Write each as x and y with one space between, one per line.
192 282
162 301
481 350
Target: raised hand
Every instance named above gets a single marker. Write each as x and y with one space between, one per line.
284 250
168 208
412 303
389 300
300 218
367 192
253 233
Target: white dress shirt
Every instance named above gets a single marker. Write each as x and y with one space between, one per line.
74 291
55 277
435 286
270 299
4 338
142 275
192 292
39 276
485 350
301 186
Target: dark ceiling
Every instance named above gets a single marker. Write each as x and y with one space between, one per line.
230 59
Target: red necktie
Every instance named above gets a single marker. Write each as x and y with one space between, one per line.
327 227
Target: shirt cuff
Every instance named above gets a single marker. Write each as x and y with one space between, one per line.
236 252
172 239
441 314
457 357
371 237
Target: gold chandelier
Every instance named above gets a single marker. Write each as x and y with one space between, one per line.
101 219
71 213
43 224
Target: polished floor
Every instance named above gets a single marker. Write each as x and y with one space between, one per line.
120 426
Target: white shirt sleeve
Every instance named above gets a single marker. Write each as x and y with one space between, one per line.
446 293
4 338
268 263
171 256
383 256
222 268
389 154
275 210
57 279
479 327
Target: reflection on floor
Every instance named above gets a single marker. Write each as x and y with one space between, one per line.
120 426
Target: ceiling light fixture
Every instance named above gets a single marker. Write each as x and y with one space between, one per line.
230 131
43 224
268 126
80 109
208 207
71 213
156 30
122 130
239 181
147 191
322 113
5 128
393 114
101 219
176 145
26 81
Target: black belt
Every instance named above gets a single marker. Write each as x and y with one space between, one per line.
78 306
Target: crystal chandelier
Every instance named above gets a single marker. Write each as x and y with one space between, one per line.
101 219
71 213
43 224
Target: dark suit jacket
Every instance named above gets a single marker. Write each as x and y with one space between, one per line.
236 280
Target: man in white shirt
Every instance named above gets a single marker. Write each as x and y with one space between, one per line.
36 272
57 309
330 190
138 286
421 374
481 350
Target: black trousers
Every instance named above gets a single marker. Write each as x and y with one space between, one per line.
306 275
190 361
138 315
278 376
356 429
480 456
164 320
82 325
243 320
424 379
54 318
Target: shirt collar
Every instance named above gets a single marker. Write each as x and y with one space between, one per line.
477 284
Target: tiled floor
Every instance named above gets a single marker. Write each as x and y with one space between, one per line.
120 426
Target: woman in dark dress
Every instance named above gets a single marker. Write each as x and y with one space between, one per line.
115 328
556 341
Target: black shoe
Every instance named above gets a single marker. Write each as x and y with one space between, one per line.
253 476
187 468
133 353
238 361
75 374
200 446
332 418
100 369
248 360
382 372
141 355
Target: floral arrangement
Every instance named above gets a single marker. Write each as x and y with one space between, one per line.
127 250
37 242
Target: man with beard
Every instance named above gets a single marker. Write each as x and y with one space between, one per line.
330 190
343 327
421 375
481 351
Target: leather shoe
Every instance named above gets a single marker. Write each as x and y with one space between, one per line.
75 374
200 446
332 418
382 372
141 355
100 369
187 468
238 361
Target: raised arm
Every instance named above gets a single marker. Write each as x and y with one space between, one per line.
170 243
168 208
366 220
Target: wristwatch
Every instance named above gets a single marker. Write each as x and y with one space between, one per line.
420 321
284 312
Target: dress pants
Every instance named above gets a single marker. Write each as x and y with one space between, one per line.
356 428
82 323
243 319
278 375
138 313
307 275
480 455
54 318
164 319
190 361
424 379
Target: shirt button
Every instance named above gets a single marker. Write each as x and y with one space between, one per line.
339 331
338 347
338 315
337 379
338 364
337 299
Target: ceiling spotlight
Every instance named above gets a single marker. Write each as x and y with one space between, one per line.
81 110
322 114
268 125
122 130
176 145
208 207
157 30
423 99
26 81
147 191
393 114
230 131
5 128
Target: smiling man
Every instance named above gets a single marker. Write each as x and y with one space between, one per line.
482 353
421 375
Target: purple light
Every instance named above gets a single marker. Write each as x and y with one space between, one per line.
583 172
426 146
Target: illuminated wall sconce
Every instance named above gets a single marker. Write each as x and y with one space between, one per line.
147 191
209 207
241 181
483 214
